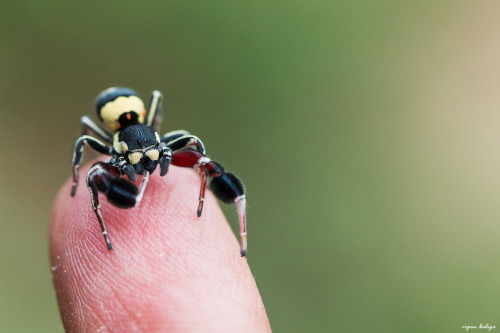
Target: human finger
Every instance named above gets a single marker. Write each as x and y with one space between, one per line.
168 271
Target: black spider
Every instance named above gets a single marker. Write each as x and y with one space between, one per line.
131 139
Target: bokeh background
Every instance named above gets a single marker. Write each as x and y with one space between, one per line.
367 133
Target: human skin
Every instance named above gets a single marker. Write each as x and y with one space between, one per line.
169 271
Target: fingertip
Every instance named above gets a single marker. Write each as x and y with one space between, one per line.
168 268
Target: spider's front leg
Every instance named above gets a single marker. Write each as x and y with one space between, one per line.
78 155
106 178
226 186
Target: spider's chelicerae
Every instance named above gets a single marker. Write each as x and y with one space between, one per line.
130 137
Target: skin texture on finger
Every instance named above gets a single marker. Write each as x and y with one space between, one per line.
169 271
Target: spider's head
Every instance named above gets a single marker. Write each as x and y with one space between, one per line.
119 108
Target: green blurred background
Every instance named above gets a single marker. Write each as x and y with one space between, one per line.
367 133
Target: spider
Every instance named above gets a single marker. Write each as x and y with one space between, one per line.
129 135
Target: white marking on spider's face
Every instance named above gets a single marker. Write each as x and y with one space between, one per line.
157 137
153 154
114 109
120 147
124 147
116 143
135 157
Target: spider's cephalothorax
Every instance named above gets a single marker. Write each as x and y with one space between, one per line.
130 137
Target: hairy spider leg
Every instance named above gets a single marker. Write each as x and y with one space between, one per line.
142 187
90 127
201 197
154 115
78 155
97 179
182 142
170 136
177 142
106 178
241 206
226 186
